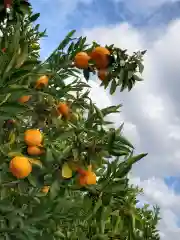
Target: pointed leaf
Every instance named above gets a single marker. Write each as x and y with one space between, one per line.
86 74
135 159
113 87
34 17
141 67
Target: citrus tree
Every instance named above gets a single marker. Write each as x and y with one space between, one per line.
63 166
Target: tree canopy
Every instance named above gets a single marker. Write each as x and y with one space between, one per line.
64 166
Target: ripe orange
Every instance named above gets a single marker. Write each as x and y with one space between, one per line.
81 60
91 178
33 150
82 180
100 56
102 74
45 189
87 177
33 137
24 99
20 167
63 109
42 82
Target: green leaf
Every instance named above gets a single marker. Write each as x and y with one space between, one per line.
59 234
65 152
54 189
116 188
130 74
141 67
32 180
100 237
119 130
12 108
130 85
99 113
106 198
86 74
34 17
71 33
143 52
97 206
118 152
112 136
124 141
49 155
66 40
135 159
4 208
137 78
113 87
125 81
121 76
111 109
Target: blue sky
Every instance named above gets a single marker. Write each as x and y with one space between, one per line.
62 16
151 111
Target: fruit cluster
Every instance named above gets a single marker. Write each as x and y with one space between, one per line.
21 166
100 58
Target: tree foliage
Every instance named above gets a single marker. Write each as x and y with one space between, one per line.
81 138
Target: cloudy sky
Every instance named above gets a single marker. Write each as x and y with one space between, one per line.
151 111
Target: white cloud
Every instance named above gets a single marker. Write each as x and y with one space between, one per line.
153 107
152 112
147 104
156 192
174 132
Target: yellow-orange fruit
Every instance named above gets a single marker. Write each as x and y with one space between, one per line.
87 177
34 151
63 109
100 56
81 60
33 137
24 99
91 178
42 82
20 167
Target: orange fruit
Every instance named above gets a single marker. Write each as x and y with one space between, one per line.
42 82
102 74
24 99
45 189
34 150
91 178
82 180
87 177
63 109
81 60
100 56
20 167
33 137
